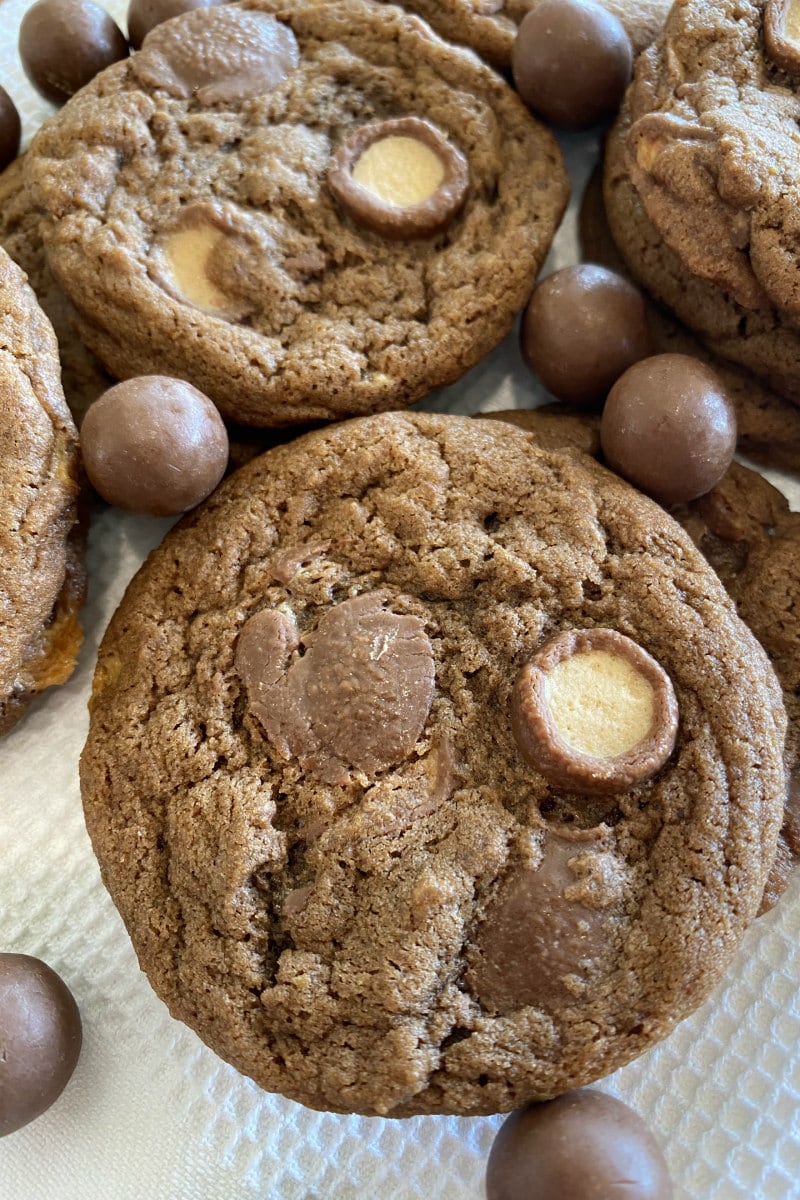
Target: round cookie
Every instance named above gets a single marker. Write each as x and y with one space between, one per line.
490 26
41 572
768 425
336 865
188 153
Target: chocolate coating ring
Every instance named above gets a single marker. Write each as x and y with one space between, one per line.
429 216
543 747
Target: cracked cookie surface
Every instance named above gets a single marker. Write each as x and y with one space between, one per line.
356 921
41 571
707 148
298 313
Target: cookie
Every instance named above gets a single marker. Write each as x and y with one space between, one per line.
304 786
201 150
768 424
490 26
699 187
745 530
41 572
82 375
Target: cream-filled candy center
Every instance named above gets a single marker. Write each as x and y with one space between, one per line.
791 23
600 704
186 255
400 171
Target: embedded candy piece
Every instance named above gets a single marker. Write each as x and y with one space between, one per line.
359 696
154 445
593 712
63 44
669 427
539 942
218 55
10 129
583 1145
571 61
583 327
401 178
186 259
40 1039
144 15
782 34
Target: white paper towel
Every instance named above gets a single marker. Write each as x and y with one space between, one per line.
152 1114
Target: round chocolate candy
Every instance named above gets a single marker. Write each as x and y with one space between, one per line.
40 1039
669 427
571 61
584 326
63 44
10 129
154 445
594 712
583 1145
144 15
401 178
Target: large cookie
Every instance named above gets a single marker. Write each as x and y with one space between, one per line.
768 425
192 213
41 574
490 26
303 787
707 147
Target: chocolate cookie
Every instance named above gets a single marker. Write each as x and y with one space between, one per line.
700 187
257 144
490 26
82 375
768 424
745 529
309 784
41 574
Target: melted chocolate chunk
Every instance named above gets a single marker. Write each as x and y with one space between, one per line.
357 699
536 938
220 55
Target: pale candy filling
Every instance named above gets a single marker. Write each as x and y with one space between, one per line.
186 254
791 24
600 704
399 171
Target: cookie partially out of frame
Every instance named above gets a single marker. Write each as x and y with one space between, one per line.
763 341
307 800
192 216
82 376
768 425
41 573
490 26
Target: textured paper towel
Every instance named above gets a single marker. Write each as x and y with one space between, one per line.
152 1114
